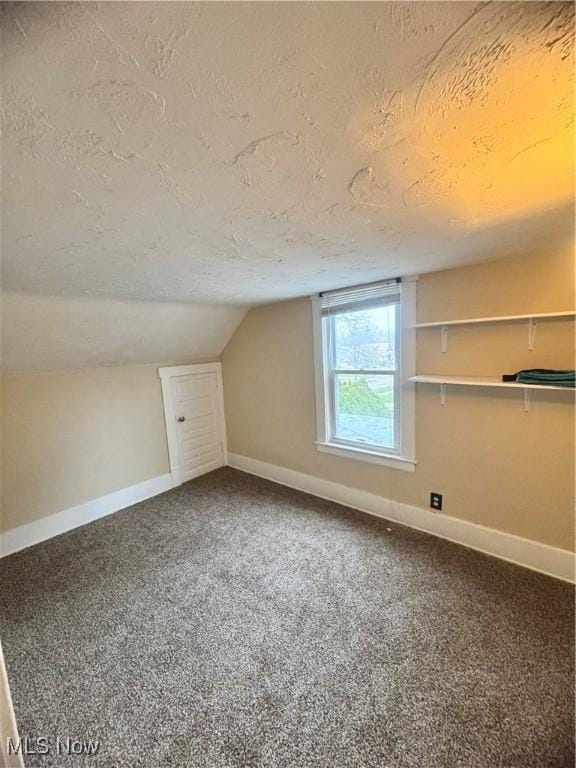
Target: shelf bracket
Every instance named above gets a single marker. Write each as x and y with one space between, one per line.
527 393
531 333
444 338
442 394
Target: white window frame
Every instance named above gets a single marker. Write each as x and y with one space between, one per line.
403 459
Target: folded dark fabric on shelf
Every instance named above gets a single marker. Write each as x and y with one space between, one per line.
549 376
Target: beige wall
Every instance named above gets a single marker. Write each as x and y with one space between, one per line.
72 436
495 464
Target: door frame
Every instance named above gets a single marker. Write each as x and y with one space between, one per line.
166 375
8 726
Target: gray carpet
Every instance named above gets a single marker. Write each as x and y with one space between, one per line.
235 622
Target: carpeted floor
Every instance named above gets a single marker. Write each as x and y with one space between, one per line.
235 622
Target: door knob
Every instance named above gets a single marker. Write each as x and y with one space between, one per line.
181 418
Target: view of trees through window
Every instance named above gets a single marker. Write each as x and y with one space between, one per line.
364 402
365 339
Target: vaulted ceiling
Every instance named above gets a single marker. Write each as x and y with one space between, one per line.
239 153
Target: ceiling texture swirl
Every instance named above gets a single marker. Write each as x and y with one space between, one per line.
243 153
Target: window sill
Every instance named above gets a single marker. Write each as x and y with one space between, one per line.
359 454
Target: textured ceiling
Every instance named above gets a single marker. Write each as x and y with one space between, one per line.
244 152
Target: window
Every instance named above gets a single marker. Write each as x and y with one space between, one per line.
364 354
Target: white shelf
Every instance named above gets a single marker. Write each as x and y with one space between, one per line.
497 319
483 381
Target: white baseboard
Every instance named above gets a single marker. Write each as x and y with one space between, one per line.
551 561
33 533
530 554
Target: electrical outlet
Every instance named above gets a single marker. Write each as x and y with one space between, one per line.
436 501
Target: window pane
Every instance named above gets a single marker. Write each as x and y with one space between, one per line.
366 338
364 408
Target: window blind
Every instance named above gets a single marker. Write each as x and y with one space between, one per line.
360 296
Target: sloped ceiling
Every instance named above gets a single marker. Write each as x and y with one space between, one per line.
52 333
240 153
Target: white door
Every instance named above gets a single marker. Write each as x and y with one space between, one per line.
199 424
